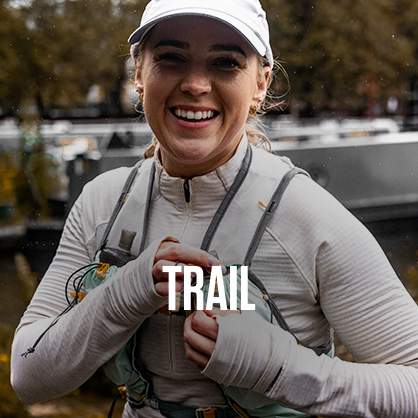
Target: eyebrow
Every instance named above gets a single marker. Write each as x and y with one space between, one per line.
227 48
171 42
214 48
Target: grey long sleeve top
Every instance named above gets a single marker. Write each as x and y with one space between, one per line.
323 268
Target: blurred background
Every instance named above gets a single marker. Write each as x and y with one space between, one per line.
67 113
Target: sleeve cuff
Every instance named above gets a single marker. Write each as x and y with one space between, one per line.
240 360
134 291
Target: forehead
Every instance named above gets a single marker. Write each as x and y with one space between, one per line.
198 30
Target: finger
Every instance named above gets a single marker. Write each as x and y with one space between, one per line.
196 340
219 312
167 242
160 275
161 283
187 255
204 325
212 312
163 290
200 359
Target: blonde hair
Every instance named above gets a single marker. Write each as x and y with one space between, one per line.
253 126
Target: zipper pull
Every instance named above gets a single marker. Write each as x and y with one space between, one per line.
186 188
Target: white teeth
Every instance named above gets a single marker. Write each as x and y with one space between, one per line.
189 114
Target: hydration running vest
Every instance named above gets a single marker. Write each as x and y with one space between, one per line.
125 238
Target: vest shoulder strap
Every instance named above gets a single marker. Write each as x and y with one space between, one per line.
223 207
126 188
269 212
265 219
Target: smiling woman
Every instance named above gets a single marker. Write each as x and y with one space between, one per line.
205 198
192 67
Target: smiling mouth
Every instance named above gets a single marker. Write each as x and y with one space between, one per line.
191 116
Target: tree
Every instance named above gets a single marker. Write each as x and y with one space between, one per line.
64 48
343 51
346 54
13 35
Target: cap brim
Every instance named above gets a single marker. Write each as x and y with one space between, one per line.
246 32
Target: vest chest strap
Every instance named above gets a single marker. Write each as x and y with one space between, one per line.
176 410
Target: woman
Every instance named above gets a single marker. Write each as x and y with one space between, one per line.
200 70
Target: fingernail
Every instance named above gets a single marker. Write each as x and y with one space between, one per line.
211 261
223 269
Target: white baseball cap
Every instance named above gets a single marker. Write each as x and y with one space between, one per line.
247 17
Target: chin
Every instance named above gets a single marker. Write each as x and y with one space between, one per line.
193 159
193 152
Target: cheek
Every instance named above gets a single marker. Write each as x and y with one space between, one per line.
151 75
241 93
152 87
154 98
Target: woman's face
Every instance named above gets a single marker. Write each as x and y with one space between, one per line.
199 79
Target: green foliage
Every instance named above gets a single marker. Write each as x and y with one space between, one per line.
52 52
7 174
28 178
37 179
12 78
347 53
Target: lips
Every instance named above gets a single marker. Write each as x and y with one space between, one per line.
190 115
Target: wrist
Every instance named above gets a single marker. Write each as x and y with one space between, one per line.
240 360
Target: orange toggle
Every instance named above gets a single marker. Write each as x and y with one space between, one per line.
123 392
81 295
102 270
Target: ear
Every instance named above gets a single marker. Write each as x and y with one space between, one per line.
139 86
261 87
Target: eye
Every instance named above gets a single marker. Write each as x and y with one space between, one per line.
227 62
170 57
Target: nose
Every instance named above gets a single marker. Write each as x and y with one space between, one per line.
196 81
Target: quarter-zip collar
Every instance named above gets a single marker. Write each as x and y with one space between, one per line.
186 188
200 191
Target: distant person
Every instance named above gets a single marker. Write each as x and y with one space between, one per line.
201 198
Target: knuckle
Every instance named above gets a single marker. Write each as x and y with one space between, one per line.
195 323
164 245
173 251
158 266
187 336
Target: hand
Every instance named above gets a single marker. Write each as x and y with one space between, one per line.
172 252
245 351
200 335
